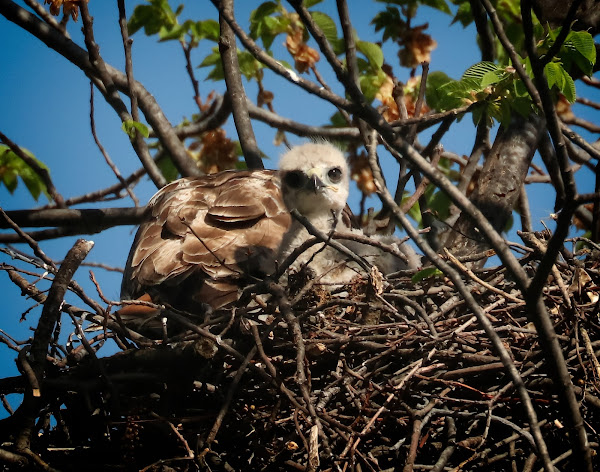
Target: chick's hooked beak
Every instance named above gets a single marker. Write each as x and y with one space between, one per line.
314 179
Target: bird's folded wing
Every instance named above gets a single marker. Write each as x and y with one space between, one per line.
209 226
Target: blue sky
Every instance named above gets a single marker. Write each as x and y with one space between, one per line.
44 107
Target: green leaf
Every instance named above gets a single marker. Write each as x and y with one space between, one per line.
554 75
372 52
583 43
370 85
479 70
12 167
130 127
257 16
428 273
579 48
491 78
158 14
214 60
568 89
464 15
390 21
311 3
435 81
249 66
326 24
167 168
440 5
207 29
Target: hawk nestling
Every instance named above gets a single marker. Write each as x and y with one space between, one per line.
207 236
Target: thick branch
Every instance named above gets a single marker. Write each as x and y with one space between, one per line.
499 184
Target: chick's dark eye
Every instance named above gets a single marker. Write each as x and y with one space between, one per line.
293 179
335 175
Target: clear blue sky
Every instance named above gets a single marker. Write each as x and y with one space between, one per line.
45 108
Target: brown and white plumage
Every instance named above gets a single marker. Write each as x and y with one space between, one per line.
207 237
204 235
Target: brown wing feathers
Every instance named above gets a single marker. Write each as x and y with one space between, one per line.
203 235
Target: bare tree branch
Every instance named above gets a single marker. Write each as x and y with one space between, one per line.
233 79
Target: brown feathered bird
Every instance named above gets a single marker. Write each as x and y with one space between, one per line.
208 236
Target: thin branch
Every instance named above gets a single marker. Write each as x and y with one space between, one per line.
111 95
107 158
233 79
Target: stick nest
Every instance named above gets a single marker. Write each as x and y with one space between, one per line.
353 380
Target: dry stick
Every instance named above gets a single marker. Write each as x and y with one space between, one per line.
39 170
450 448
588 102
476 279
112 95
524 211
590 350
228 399
472 303
300 129
43 335
301 378
233 80
107 158
79 57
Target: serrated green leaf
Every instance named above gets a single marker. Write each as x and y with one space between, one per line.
130 127
10 179
554 75
583 43
479 70
568 89
249 66
434 96
337 120
428 273
372 52
369 85
491 78
326 24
